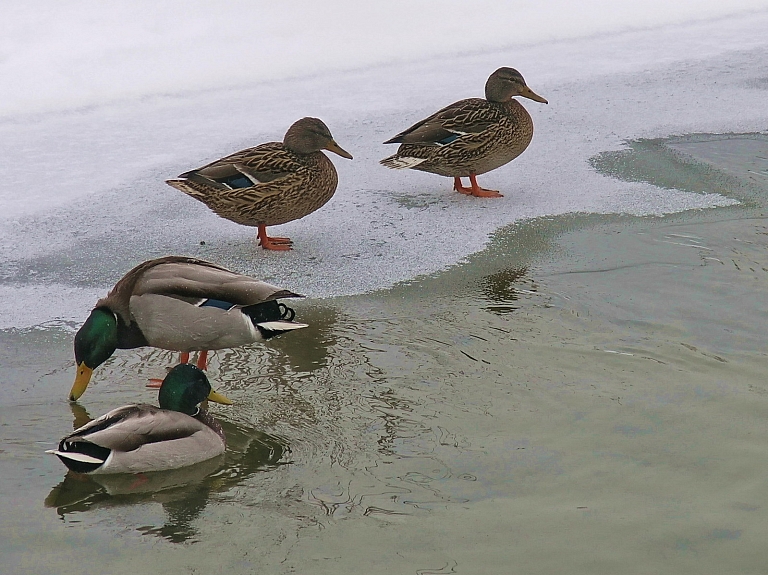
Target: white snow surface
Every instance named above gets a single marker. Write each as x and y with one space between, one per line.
101 102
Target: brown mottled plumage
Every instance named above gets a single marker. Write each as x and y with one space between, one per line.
471 136
270 184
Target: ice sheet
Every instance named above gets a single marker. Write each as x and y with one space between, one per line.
83 197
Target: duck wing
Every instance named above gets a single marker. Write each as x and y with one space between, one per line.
470 116
189 279
130 427
139 438
250 167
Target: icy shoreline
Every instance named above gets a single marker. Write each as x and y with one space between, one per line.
98 203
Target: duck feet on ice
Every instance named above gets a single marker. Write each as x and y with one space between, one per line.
475 189
273 243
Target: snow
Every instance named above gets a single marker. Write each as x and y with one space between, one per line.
102 102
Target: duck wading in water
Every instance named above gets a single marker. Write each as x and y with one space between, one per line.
181 304
472 136
139 438
270 184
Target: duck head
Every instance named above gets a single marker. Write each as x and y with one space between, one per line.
310 135
505 83
95 343
185 387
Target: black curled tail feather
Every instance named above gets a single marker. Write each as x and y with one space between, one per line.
271 310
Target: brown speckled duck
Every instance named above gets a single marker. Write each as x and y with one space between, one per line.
270 184
471 136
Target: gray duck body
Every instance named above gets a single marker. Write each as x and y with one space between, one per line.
158 304
139 438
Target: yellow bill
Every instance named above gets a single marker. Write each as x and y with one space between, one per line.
82 379
219 398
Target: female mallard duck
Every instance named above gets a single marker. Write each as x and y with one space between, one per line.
472 136
270 184
138 438
182 304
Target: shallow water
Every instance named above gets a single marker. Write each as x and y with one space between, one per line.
586 395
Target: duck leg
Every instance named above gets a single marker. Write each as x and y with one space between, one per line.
274 243
202 359
475 189
156 383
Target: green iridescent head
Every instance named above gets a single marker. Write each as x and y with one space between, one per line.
95 342
185 387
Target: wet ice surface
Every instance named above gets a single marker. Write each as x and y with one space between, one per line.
84 196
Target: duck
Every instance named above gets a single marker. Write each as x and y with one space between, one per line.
140 438
181 304
470 137
270 184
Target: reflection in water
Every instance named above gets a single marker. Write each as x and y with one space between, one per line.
503 289
306 350
183 493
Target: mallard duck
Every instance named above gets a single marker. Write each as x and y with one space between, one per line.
472 136
181 304
270 184
138 438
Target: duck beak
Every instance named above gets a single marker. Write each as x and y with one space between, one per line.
336 149
82 379
526 92
218 398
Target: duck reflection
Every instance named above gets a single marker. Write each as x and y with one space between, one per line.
183 493
503 289
309 351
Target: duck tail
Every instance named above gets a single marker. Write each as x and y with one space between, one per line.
272 318
76 458
401 162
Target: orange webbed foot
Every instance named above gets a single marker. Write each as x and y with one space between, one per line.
483 193
276 243
461 189
475 189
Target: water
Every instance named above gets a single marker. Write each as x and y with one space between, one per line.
572 383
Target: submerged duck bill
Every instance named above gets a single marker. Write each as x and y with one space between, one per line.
82 379
528 93
336 149
219 398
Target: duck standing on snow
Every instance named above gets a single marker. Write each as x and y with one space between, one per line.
181 304
270 184
139 438
472 136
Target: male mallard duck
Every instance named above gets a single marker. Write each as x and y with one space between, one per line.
182 304
270 184
138 438
472 136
